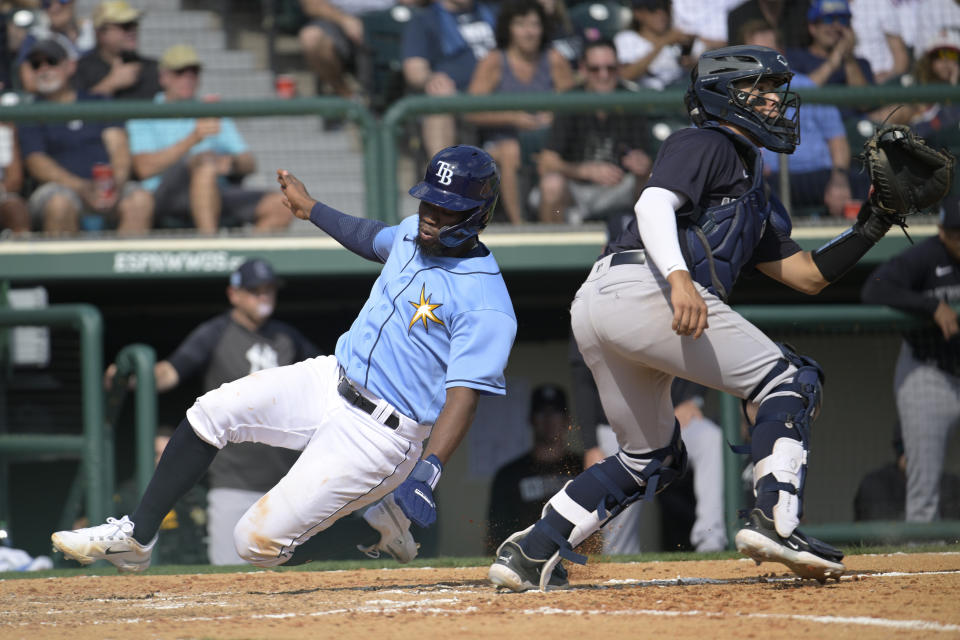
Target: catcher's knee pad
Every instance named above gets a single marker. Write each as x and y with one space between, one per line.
604 490
780 441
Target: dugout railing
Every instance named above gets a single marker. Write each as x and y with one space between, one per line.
858 407
90 446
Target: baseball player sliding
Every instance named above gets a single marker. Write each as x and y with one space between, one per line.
434 334
654 307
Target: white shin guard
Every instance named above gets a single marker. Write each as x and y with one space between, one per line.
786 463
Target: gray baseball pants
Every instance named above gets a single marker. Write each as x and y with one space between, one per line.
928 403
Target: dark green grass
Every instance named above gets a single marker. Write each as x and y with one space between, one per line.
102 569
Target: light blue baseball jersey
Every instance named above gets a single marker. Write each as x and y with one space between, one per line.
430 323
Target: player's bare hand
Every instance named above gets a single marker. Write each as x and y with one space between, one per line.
689 309
946 319
295 196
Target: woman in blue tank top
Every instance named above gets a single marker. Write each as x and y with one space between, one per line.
521 62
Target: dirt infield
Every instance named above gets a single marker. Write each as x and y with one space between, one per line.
883 596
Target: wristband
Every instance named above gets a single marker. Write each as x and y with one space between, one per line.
428 471
839 255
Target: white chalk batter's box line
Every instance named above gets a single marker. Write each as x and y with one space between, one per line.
451 605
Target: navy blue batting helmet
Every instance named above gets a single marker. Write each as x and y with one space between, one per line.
461 178
718 92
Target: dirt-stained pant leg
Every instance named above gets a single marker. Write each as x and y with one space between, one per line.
349 460
622 322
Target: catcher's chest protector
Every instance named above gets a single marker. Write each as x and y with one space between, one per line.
718 241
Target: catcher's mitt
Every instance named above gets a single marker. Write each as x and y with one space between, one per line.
908 176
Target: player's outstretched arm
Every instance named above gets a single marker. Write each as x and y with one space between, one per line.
355 234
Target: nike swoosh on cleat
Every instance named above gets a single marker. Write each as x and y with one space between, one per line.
111 552
792 545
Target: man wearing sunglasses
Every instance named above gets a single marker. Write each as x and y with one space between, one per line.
829 59
593 164
193 165
114 69
63 157
58 21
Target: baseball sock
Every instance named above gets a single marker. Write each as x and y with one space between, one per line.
183 462
587 490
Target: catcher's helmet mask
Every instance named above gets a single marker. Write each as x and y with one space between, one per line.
718 92
461 178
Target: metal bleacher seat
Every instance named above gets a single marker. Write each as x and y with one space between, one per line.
383 35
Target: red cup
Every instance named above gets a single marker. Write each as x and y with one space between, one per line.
286 86
851 209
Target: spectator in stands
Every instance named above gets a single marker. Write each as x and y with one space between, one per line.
332 40
882 494
240 341
788 17
62 157
925 280
441 47
938 64
707 23
593 161
114 68
185 526
920 19
820 167
188 163
829 59
521 62
14 214
879 39
650 51
521 487
562 34
58 21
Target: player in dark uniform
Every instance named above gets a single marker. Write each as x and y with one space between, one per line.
925 280
654 307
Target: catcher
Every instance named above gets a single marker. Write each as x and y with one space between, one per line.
655 307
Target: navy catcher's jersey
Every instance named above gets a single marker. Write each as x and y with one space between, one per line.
430 323
226 351
703 164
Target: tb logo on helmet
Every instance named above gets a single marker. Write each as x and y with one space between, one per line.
444 172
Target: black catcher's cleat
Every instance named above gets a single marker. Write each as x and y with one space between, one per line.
806 556
515 571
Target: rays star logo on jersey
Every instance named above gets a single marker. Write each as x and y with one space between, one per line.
445 172
424 310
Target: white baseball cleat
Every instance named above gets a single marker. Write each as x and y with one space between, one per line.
805 555
113 542
394 529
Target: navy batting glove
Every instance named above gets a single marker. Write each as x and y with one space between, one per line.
414 496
